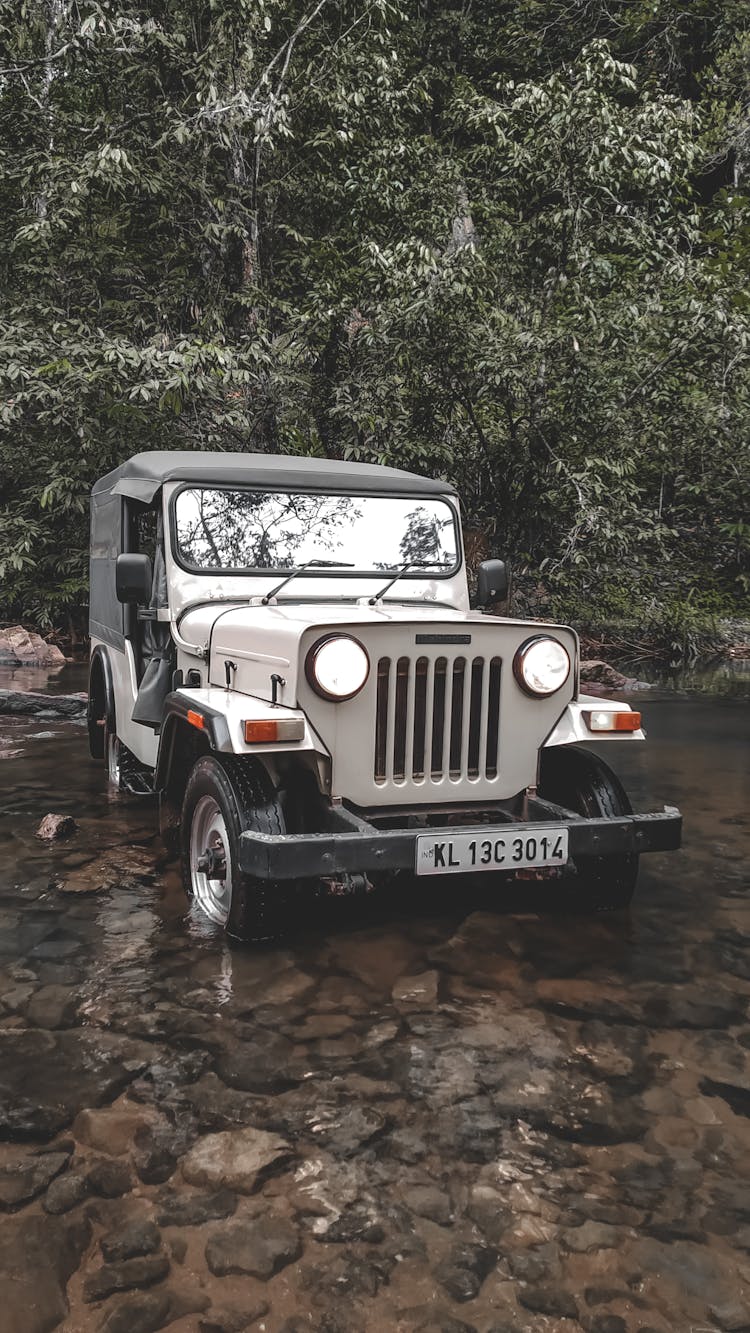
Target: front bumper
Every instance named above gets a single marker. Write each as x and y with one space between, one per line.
357 846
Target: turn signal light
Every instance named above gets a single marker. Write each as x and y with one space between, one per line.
274 729
605 719
196 719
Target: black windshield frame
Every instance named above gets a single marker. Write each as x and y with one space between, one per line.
250 572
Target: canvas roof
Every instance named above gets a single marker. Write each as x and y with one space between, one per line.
141 477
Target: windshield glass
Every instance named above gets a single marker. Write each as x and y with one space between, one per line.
244 530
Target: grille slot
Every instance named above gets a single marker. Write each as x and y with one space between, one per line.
436 719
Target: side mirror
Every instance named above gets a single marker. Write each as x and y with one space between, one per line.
493 582
133 578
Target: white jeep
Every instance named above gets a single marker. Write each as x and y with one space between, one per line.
283 650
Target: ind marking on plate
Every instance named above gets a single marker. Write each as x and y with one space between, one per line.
443 638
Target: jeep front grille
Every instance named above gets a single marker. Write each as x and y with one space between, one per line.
437 719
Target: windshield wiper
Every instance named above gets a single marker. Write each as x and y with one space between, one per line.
309 564
403 569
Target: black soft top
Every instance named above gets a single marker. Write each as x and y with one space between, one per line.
142 475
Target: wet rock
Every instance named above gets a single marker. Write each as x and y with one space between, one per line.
607 1323
442 1322
108 1178
595 671
469 1130
54 828
694 1270
233 1318
178 1248
187 1301
430 1202
96 877
130 1242
235 1159
260 1247
465 1269
354 1224
530 1265
406 1145
23 1177
192 1210
420 991
592 1236
65 1193
138 1314
25 647
142 1272
319 1026
345 1130
45 1077
111 1130
37 1257
548 1300
738 1099
156 1154
488 1208
263 1063
52 1007
732 1315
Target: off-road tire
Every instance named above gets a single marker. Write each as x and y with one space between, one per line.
581 781
247 800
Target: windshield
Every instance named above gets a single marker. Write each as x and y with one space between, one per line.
251 531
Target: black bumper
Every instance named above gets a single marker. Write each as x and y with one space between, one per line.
364 848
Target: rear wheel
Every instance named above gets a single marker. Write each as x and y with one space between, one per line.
113 758
581 781
223 798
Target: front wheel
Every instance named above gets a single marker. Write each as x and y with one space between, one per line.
581 781
223 798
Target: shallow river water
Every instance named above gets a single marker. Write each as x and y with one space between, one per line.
439 1110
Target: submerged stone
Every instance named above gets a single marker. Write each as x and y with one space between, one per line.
26 1176
141 1272
260 1248
138 1314
234 1159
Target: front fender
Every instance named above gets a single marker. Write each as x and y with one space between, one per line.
571 729
222 716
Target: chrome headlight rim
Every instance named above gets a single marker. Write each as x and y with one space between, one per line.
311 658
520 658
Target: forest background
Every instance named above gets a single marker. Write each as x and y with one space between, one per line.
505 243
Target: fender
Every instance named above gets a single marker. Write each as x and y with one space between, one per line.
221 718
101 702
571 729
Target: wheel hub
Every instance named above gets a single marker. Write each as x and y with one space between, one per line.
210 862
213 863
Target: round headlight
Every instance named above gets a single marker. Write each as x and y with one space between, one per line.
541 665
337 667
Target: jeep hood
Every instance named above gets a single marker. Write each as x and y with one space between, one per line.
258 642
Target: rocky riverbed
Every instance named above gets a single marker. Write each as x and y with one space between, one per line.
431 1110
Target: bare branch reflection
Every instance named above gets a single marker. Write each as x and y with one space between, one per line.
274 530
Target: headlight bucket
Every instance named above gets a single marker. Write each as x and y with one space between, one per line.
541 666
337 667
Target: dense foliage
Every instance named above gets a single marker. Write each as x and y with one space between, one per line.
504 243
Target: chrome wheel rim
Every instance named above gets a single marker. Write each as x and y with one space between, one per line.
113 759
210 864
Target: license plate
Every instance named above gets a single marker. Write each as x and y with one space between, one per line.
540 846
